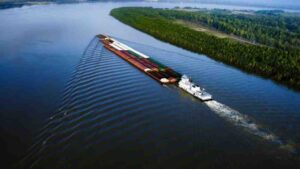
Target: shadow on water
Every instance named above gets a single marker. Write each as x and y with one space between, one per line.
113 116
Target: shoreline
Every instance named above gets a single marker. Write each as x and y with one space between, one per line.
225 50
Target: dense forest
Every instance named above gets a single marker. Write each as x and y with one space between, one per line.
6 4
281 63
272 28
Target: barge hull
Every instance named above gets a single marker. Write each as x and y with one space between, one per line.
144 63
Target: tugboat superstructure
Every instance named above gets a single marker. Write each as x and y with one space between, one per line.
186 84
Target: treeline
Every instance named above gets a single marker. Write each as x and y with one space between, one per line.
6 4
280 65
271 28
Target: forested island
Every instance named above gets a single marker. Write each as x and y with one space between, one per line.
269 44
6 4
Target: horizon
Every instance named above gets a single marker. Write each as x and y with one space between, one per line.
294 4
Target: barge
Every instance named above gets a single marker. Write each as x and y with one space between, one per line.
153 68
144 63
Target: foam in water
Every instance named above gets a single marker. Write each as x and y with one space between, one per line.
241 120
248 124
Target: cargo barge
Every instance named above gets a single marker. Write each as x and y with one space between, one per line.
144 63
153 68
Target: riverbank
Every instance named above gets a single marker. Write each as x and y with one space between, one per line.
17 4
202 28
276 64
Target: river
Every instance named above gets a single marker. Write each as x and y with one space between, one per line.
66 102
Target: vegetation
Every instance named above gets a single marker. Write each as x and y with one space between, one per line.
281 63
6 4
272 28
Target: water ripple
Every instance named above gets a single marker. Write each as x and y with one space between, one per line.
108 103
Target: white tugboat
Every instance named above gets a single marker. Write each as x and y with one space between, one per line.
186 84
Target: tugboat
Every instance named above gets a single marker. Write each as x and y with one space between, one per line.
187 85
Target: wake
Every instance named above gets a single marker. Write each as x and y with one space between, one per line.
241 120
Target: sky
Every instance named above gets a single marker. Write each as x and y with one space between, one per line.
272 3
252 1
